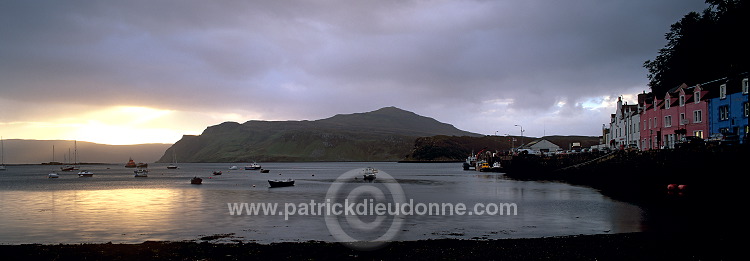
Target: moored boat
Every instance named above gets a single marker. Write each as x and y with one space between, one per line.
369 173
233 168
218 172
196 180
53 175
130 164
141 173
85 173
280 182
254 166
264 171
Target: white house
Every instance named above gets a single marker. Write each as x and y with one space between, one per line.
623 125
541 145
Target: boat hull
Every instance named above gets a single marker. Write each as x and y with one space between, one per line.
280 183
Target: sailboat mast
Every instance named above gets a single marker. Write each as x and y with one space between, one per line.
75 150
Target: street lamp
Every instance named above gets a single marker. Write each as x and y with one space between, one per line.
521 133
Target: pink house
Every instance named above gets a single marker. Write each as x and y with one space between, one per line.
681 112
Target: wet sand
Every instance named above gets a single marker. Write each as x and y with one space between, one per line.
630 246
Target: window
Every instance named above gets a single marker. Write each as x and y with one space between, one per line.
723 91
745 105
656 123
697 116
744 86
682 100
668 121
698 134
682 119
723 112
697 97
666 103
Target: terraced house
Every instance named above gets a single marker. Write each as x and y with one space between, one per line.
728 109
719 106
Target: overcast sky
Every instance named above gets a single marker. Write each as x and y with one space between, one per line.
123 72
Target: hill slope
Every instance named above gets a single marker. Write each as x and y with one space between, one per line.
39 151
386 134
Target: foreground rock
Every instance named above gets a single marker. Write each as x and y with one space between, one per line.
631 246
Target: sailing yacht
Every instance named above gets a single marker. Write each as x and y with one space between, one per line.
174 161
2 154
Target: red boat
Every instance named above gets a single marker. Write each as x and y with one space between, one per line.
130 164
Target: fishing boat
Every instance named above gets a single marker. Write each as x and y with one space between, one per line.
130 164
196 180
85 173
254 166
53 175
369 173
141 173
218 172
280 182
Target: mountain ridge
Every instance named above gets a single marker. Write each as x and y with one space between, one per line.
386 134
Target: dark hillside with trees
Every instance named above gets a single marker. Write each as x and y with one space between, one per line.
702 47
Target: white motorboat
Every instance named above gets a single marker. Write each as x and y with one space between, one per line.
141 173
53 175
85 173
254 166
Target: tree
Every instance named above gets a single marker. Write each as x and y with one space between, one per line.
702 47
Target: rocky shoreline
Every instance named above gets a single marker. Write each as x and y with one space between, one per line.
628 246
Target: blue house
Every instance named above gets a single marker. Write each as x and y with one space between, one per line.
728 106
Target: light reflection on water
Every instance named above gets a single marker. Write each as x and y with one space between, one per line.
113 206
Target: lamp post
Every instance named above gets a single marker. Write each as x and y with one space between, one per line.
521 133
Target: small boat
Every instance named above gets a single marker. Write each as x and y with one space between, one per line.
53 175
254 166
68 168
280 182
496 167
2 154
218 172
141 165
141 173
174 161
264 171
369 173
196 180
130 164
85 173
233 168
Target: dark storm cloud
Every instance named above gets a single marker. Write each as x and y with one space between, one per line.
310 59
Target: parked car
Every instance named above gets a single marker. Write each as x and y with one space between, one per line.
724 139
689 142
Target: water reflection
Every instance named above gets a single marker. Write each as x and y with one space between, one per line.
114 206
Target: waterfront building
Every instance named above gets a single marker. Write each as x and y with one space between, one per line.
542 145
728 106
683 111
624 125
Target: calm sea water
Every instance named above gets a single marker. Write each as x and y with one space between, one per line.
114 206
